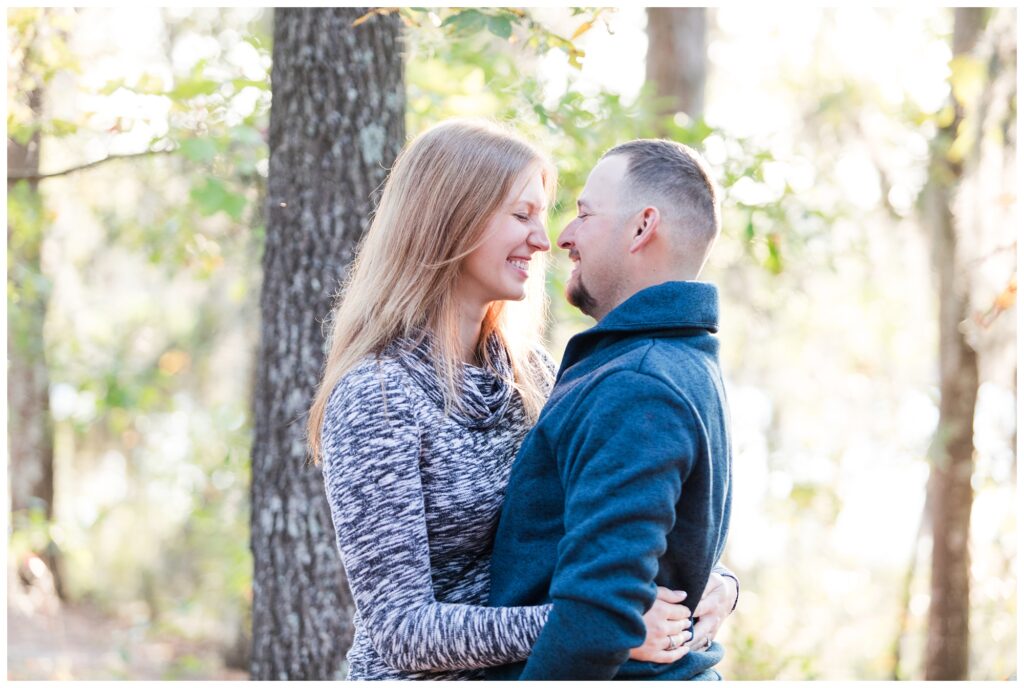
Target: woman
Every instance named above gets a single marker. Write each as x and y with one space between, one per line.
426 395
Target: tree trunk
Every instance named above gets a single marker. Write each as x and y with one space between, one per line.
30 433
677 60
336 125
29 426
952 452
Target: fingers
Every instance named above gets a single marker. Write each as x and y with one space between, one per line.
680 627
718 603
706 628
670 627
707 606
715 581
671 612
673 596
669 656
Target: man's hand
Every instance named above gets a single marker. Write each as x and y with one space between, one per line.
668 626
715 604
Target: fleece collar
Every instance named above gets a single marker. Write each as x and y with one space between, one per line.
670 306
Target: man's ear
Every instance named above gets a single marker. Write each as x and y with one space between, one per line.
645 226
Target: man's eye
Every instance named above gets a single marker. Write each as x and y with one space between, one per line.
583 215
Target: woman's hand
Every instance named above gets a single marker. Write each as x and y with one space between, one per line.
715 604
668 627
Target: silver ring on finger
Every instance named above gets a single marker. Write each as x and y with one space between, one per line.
707 644
673 643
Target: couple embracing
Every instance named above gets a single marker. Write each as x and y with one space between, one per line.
499 516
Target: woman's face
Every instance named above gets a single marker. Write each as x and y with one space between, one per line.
499 267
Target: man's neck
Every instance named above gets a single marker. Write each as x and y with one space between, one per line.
638 285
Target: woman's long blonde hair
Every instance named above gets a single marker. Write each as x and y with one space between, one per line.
440 195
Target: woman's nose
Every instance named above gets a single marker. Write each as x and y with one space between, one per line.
538 239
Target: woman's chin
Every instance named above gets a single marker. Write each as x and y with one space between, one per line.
510 295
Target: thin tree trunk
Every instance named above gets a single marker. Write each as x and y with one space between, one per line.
677 60
336 124
30 434
952 455
29 425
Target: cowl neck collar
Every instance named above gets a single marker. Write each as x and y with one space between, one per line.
485 393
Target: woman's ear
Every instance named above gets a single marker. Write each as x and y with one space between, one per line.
645 226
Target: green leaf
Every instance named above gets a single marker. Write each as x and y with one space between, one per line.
262 84
945 116
213 197
199 150
111 86
21 133
465 21
190 88
575 55
500 25
246 135
150 84
774 260
234 205
963 143
967 78
62 127
700 130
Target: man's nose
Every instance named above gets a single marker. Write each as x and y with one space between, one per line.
565 238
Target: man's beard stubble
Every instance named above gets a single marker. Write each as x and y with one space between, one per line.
577 295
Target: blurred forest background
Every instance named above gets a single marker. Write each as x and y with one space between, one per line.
867 270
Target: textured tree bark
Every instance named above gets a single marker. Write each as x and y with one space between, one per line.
677 60
952 451
336 125
30 434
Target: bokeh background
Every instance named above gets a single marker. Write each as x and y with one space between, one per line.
867 161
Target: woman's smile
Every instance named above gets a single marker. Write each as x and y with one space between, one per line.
520 265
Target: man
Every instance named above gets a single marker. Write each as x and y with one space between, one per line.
624 483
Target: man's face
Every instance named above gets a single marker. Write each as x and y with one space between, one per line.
597 239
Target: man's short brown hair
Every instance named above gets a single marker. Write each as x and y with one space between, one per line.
674 178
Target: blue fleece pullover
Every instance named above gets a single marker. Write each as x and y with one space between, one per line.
623 485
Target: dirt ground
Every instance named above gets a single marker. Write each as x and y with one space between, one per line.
53 641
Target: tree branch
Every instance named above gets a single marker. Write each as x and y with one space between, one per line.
18 175
884 181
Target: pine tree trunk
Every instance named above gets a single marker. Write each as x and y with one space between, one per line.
952 454
677 61
336 124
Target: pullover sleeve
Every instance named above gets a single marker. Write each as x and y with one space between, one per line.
722 570
372 479
622 469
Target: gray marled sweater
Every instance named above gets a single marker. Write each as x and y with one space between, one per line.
415 496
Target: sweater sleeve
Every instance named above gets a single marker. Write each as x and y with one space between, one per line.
372 479
722 570
621 490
